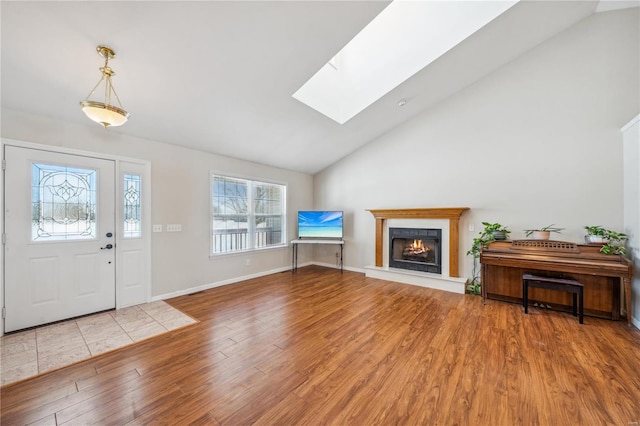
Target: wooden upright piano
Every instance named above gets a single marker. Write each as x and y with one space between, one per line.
504 262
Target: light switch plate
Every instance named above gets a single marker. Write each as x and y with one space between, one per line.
157 228
174 227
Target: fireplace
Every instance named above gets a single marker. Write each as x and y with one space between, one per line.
446 219
416 249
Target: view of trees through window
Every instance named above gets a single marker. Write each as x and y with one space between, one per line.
246 214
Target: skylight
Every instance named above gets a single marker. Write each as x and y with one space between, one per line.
404 38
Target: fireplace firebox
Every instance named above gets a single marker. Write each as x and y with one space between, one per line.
415 249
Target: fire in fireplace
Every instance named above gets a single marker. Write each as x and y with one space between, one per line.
415 249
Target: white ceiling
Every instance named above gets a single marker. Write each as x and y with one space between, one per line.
218 76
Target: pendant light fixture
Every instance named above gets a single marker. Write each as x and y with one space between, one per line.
105 113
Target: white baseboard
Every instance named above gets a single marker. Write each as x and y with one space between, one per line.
331 265
219 283
636 322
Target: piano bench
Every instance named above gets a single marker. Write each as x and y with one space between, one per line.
560 284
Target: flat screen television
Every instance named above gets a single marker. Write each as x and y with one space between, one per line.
320 224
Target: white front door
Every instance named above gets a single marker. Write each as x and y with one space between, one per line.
60 236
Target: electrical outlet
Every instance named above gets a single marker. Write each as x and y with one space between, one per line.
157 228
472 228
247 262
175 227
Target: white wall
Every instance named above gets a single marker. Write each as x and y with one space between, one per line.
535 143
631 150
180 194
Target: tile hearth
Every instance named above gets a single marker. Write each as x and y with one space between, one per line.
36 351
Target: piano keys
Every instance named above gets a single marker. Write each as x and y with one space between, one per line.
603 276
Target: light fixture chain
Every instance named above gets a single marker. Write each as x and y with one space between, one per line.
107 91
94 88
117 98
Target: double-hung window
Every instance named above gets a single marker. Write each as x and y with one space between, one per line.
246 214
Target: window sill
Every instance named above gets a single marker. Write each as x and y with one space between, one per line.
248 251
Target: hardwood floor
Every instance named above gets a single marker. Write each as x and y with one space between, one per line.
321 347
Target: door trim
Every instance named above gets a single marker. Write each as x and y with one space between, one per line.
122 164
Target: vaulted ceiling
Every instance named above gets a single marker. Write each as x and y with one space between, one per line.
218 75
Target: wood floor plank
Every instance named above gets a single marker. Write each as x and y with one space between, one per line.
185 409
250 406
115 409
46 421
323 347
287 411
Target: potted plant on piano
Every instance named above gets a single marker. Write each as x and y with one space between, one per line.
615 243
542 233
612 241
491 232
595 234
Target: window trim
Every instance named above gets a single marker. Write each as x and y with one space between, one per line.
252 179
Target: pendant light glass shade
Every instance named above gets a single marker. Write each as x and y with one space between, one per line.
105 113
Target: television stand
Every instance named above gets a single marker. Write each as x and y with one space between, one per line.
296 243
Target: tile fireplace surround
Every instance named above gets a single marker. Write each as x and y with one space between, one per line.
450 279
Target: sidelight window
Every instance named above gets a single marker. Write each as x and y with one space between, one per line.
132 223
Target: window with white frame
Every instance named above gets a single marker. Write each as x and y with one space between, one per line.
246 214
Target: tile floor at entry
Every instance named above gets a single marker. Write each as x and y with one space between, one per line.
32 352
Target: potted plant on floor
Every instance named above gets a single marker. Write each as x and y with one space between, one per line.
612 241
491 232
542 233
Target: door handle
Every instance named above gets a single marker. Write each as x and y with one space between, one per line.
107 247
